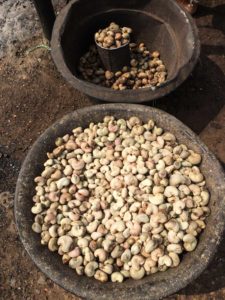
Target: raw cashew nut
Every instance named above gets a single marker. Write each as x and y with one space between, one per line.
100 254
117 277
65 242
137 274
76 262
101 276
190 242
90 268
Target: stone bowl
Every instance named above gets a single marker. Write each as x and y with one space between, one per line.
161 25
152 287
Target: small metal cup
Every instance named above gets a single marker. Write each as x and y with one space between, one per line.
114 59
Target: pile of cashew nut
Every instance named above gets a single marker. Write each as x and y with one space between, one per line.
120 199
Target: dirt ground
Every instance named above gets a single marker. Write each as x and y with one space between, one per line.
33 95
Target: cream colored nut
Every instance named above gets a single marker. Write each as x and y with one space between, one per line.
177 179
68 170
137 261
172 237
100 254
195 189
77 230
176 248
190 242
88 173
126 233
82 242
178 206
116 183
115 171
74 253
141 170
90 268
101 276
36 227
165 260
167 136
117 227
156 199
119 237
52 244
45 237
184 189
142 218
135 249
117 251
184 225
80 270
145 183
130 179
171 191
146 228
75 262
39 190
53 230
87 158
117 277
125 273
197 213
47 172
108 269
175 259
194 158
156 253
92 226
157 190
131 158
77 165
126 256
127 216
196 176
96 235
133 121
65 242
149 263
135 229
75 179
63 182
205 198
158 229
137 274
37 208
160 165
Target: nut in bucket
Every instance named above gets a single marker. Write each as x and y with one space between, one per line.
113 46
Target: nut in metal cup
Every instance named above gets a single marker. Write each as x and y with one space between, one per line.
114 59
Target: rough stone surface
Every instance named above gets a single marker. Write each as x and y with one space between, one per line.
19 22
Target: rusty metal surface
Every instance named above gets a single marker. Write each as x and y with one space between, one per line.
151 287
162 25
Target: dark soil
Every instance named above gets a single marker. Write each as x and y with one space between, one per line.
33 95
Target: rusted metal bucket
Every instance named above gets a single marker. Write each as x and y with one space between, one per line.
162 25
155 286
